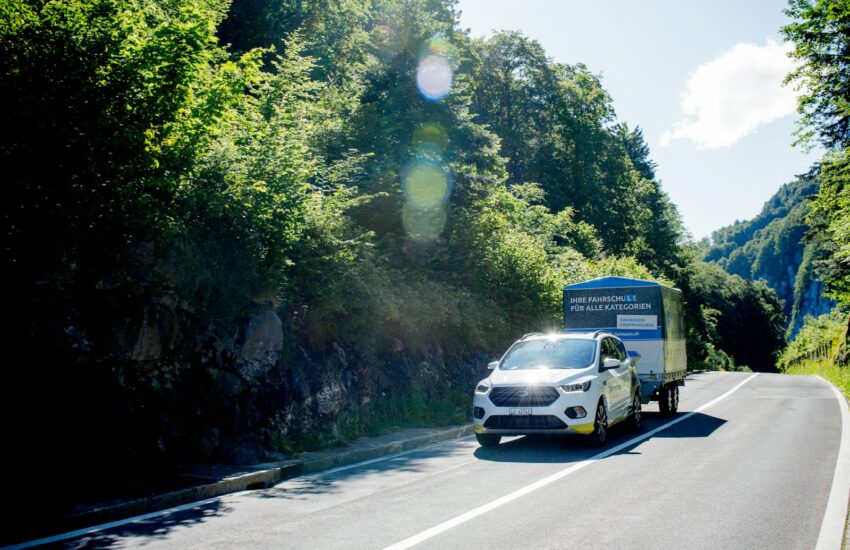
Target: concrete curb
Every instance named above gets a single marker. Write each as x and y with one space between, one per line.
266 475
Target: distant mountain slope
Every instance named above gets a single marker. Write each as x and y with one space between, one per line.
771 247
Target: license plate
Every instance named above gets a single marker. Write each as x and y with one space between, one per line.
519 412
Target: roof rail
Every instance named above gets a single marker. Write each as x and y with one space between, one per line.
593 333
524 336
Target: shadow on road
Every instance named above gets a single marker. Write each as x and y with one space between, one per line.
147 530
301 488
698 425
563 449
159 528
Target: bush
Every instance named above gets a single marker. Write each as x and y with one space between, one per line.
820 338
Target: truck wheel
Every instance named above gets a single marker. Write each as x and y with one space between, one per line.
664 399
488 440
600 426
674 398
635 420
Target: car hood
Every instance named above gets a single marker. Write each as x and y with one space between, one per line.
535 376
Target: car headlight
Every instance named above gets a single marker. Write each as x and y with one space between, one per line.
570 388
482 387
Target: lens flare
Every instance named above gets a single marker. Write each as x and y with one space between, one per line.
425 184
434 77
430 140
427 187
423 224
438 45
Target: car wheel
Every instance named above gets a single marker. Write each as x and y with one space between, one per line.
664 399
635 422
600 426
488 440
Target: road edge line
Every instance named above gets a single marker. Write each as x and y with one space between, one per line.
539 484
832 528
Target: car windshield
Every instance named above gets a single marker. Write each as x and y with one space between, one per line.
550 354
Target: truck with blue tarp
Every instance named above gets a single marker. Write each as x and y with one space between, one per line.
648 317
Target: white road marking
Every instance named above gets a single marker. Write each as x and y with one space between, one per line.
492 505
198 504
832 529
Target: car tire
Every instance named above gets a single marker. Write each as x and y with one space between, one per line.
636 412
599 435
488 440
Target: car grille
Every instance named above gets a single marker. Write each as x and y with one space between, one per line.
523 396
504 422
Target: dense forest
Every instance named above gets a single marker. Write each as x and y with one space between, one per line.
234 231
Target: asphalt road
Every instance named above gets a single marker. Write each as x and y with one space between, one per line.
753 469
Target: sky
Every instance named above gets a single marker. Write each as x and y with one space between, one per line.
701 78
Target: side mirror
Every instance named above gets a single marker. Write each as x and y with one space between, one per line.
610 363
492 365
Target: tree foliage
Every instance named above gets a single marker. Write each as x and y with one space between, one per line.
830 217
557 127
820 33
742 318
819 337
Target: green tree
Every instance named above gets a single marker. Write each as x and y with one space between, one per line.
831 220
557 127
638 151
741 318
511 244
662 229
820 33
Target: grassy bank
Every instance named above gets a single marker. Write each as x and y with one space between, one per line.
839 376
818 348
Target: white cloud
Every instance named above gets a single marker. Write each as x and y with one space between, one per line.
732 95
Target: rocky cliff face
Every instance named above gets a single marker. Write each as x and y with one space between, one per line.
773 247
243 393
123 389
131 377
809 299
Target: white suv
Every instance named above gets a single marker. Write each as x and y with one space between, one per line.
558 383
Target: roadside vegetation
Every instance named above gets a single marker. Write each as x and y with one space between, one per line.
820 349
821 33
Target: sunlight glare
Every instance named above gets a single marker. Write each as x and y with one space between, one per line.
434 77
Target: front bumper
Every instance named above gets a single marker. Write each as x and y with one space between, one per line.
489 418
